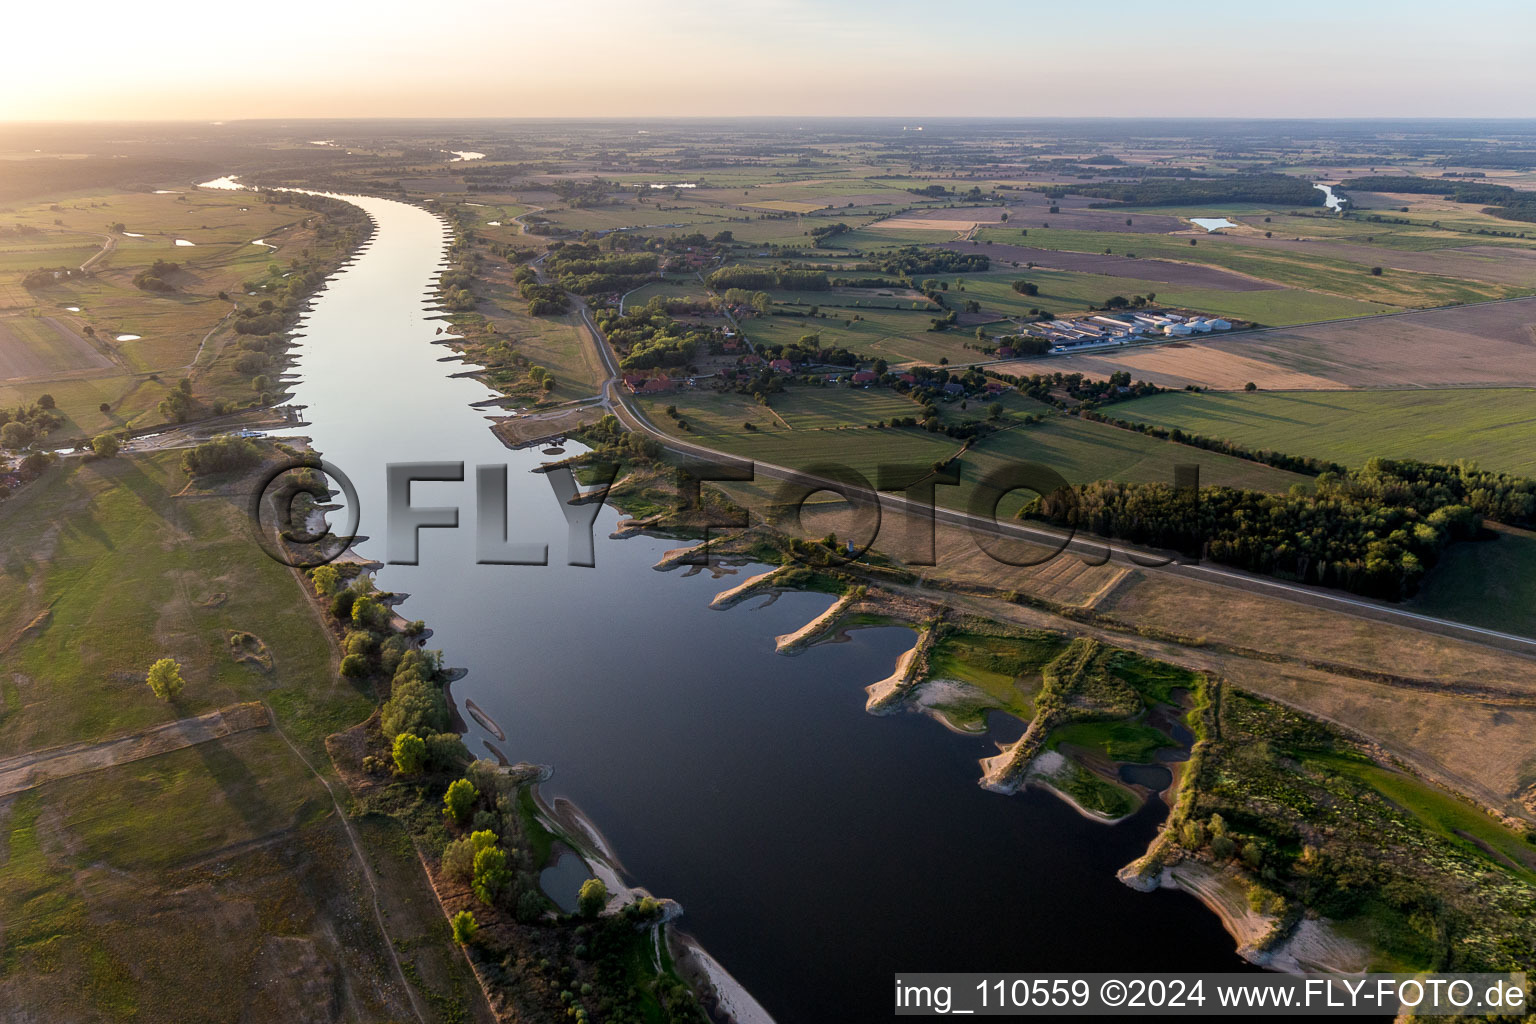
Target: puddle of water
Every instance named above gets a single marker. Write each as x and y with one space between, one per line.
562 880
1154 776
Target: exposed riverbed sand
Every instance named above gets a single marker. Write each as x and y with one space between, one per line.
791 643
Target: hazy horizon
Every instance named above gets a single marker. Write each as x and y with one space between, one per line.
784 58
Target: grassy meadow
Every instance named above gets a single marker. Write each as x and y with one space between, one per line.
225 860
171 327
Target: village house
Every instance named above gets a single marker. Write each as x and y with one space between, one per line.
642 385
781 366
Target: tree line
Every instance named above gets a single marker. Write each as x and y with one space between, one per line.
1374 531
1271 189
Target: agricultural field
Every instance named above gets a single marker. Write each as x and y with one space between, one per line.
1491 427
1072 292
809 426
1083 451
1162 271
1311 268
1490 583
1487 345
39 346
897 336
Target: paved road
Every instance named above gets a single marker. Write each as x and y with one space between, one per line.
1148 560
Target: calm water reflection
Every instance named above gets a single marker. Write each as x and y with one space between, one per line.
816 850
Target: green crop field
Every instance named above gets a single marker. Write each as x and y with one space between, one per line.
800 429
1491 426
897 336
1066 291
1313 271
1082 452
1490 583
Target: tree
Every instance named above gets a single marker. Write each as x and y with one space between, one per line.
1375 271
326 579
165 679
410 753
459 855
995 411
460 800
592 897
491 874
105 445
45 401
530 906
104 408
1250 386
354 666
464 927
17 434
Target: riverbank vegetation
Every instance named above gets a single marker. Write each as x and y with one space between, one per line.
1318 823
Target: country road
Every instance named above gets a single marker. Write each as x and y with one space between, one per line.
1148 560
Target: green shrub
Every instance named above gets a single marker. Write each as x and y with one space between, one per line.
460 800
326 579
464 927
592 897
491 874
410 752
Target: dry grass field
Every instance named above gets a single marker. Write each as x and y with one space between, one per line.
1174 365
36 346
957 219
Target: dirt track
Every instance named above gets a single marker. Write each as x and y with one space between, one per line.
27 771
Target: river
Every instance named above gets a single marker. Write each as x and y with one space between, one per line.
816 850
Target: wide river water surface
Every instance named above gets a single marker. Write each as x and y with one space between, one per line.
816 850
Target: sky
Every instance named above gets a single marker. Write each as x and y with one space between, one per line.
109 60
